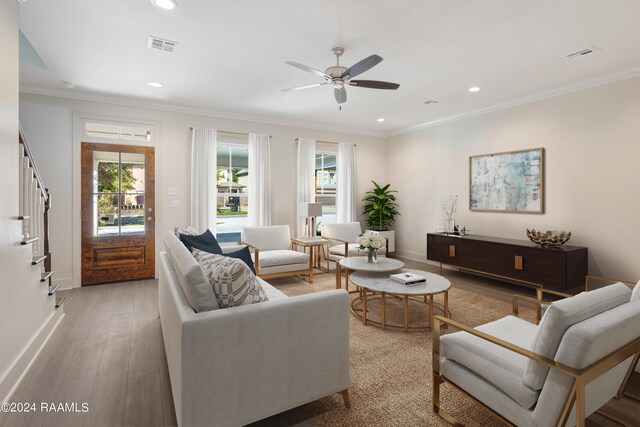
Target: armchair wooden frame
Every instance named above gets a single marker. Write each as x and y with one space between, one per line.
577 394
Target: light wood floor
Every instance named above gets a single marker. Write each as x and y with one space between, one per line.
109 353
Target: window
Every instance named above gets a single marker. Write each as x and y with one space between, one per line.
232 181
127 132
326 179
118 193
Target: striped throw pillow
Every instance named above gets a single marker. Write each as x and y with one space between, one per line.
232 280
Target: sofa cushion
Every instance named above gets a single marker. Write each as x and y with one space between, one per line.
267 238
205 242
563 314
192 279
282 257
502 367
232 280
244 255
189 231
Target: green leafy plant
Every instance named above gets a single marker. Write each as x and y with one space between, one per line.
380 207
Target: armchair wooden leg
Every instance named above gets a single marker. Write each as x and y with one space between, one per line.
346 398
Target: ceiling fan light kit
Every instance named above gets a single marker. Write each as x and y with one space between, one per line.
339 76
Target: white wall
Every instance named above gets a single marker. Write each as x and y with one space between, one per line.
48 124
25 306
592 143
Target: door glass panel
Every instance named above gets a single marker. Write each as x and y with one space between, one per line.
106 209
132 214
119 193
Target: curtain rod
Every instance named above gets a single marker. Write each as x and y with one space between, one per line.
325 142
230 132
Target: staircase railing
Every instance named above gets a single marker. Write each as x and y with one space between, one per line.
35 203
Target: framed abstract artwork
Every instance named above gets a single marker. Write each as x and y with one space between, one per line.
512 181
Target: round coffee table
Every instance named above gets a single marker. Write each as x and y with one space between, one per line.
380 285
360 263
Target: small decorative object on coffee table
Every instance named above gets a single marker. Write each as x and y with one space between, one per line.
371 242
552 238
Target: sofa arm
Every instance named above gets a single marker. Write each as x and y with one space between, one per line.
250 362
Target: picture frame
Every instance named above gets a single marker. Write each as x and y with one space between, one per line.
508 182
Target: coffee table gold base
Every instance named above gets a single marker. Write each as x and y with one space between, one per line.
361 312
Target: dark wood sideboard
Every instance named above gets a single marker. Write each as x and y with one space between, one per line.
563 268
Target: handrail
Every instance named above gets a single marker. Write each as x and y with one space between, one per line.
22 140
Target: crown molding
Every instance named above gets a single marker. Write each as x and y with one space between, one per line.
587 83
174 108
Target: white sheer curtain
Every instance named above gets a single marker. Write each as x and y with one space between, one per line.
346 190
306 177
203 179
259 181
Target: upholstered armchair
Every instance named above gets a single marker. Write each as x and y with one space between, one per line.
560 371
342 238
272 254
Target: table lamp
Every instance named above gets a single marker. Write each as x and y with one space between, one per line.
310 211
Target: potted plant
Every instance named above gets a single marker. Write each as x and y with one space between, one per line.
380 207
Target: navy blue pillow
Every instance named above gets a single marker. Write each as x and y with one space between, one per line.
243 254
205 242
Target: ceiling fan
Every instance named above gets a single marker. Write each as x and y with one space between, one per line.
339 76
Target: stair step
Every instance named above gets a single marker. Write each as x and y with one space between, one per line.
54 289
29 241
59 301
46 275
38 259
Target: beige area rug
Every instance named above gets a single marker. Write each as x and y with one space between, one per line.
391 369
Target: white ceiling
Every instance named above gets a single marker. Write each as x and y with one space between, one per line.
231 54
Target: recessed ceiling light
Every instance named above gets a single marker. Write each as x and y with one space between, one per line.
474 89
165 4
381 119
155 84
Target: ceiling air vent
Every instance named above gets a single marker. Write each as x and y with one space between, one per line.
161 44
431 101
581 52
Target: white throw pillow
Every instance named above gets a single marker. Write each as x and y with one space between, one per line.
635 293
232 280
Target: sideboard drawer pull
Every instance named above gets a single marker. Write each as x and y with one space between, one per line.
518 263
452 251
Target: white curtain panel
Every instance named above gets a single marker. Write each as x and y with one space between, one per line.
346 190
259 181
203 179
306 177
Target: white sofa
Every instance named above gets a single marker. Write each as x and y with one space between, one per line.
234 366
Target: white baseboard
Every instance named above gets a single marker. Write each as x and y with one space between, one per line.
20 367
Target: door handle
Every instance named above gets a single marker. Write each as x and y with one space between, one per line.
519 263
452 251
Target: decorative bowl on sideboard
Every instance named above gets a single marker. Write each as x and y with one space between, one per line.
551 238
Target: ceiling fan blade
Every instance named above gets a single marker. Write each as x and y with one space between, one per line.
362 66
291 89
341 94
309 69
374 84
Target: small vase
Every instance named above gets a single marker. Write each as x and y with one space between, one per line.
449 225
372 255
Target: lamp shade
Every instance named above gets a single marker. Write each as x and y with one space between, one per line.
310 209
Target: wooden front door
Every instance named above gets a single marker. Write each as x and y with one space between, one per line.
118 213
